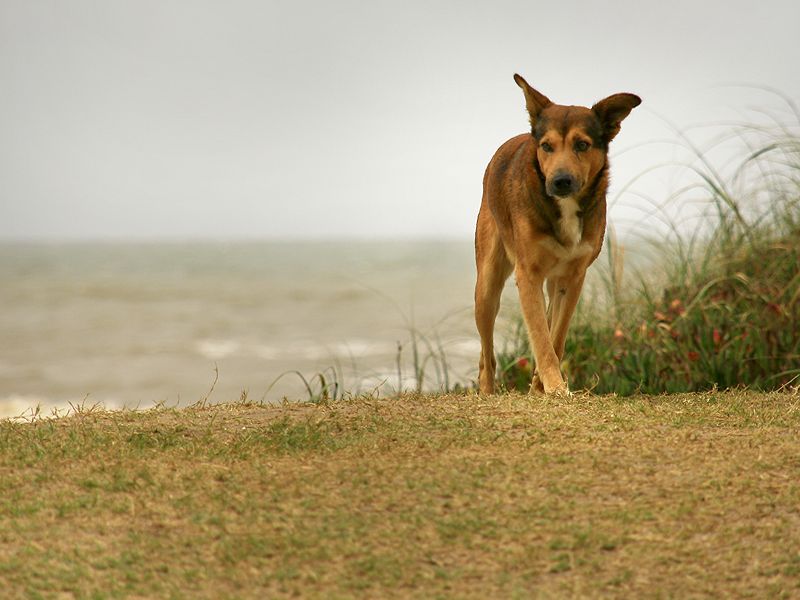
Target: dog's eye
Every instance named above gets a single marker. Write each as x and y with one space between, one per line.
581 146
547 147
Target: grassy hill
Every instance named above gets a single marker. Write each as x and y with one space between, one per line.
686 495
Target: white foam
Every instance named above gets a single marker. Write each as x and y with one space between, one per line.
216 349
268 352
24 407
383 382
361 347
465 347
309 350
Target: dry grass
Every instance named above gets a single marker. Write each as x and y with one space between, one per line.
448 496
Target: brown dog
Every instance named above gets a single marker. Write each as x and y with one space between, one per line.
543 216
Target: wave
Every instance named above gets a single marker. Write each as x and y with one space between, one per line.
216 349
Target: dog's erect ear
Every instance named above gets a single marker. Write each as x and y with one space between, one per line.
612 110
534 101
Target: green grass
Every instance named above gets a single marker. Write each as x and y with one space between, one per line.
719 305
448 496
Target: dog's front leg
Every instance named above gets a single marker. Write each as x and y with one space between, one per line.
569 290
530 281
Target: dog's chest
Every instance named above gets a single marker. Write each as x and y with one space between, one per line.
566 246
570 226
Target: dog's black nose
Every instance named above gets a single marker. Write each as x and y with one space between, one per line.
563 184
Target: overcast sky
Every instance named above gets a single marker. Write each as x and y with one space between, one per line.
194 119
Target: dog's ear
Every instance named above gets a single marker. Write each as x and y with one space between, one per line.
612 110
535 101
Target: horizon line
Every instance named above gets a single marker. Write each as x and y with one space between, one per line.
203 239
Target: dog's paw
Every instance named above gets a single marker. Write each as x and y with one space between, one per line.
559 390
562 391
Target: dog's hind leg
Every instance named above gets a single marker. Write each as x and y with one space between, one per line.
553 300
494 268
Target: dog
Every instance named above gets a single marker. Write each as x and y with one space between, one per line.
543 216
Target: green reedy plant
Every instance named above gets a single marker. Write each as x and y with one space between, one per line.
421 362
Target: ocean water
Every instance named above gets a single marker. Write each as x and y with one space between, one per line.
126 324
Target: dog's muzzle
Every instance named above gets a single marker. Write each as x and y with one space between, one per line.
562 184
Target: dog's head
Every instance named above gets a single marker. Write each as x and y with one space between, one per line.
572 141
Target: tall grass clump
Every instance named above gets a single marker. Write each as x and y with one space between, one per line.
421 364
719 305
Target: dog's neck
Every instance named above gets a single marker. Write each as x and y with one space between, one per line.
596 190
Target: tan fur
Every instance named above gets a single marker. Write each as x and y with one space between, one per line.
543 217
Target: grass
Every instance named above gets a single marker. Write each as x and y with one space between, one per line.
719 304
420 496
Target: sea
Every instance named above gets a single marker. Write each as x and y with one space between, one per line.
134 325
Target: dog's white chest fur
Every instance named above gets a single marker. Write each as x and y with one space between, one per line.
568 246
569 223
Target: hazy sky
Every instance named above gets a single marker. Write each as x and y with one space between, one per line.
153 119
